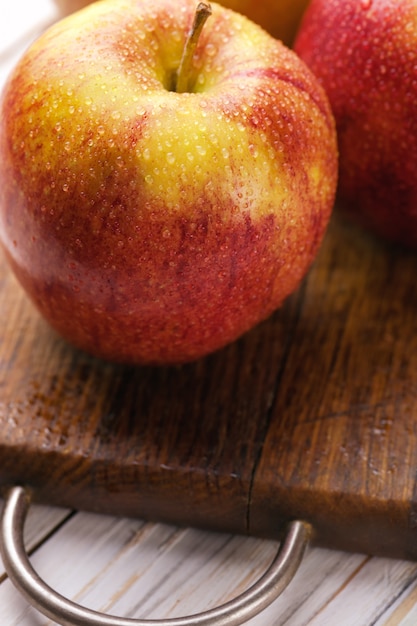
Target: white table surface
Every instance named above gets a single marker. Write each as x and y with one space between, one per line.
137 569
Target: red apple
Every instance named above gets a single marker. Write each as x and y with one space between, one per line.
364 52
150 225
281 18
69 6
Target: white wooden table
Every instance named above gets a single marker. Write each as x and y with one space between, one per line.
137 569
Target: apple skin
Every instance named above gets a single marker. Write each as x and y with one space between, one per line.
150 226
365 55
280 18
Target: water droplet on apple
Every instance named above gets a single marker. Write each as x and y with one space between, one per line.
170 158
211 50
201 150
225 153
65 187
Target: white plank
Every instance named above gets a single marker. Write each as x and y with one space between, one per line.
130 568
369 594
40 523
70 560
320 577
403 611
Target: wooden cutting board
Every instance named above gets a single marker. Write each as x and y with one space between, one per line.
312 415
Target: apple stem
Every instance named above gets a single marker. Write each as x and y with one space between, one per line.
203 11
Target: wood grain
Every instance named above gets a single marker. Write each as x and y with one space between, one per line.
311 415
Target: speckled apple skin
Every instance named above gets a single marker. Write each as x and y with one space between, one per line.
150 226
280 18
364 52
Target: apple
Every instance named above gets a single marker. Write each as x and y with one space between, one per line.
280 18
149 223
69 6
364 52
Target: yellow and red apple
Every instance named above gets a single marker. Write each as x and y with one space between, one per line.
364 52
153 226
281 18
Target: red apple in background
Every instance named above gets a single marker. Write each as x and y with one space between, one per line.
148 224
364 52
280 18
69 6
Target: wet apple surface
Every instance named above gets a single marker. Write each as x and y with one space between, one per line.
365 55
281 18
153 226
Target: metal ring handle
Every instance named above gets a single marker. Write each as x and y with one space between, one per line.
67 613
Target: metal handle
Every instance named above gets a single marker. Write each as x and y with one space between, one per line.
67 613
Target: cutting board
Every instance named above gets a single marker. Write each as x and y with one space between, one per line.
312 415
